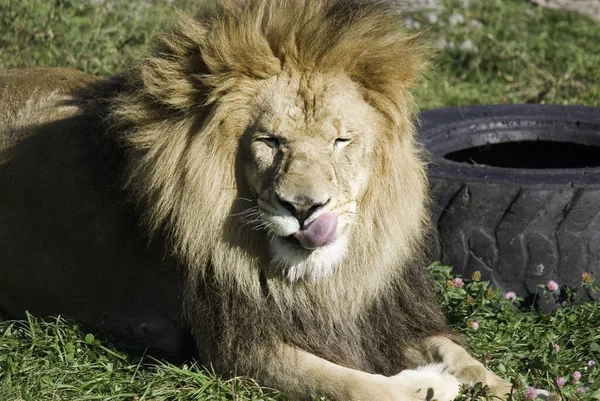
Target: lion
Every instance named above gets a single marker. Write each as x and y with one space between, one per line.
255 179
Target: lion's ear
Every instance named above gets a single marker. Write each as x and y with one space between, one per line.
368 42
399 63
194 57
389 68
170 74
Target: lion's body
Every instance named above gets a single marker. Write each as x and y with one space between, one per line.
205 168
67 243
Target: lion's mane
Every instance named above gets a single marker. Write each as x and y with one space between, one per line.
179 119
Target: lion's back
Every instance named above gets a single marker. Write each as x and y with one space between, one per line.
68 243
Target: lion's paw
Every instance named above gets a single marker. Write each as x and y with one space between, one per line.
472 374
428 382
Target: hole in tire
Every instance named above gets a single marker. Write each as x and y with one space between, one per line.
530 155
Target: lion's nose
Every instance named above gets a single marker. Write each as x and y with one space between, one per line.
302 207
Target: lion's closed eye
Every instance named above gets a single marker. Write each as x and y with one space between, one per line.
341 143
270 141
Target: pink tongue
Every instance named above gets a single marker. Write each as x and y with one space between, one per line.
319 233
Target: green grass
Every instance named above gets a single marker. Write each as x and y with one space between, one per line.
56 360
521 54
518 54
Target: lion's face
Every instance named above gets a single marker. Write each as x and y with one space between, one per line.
309 152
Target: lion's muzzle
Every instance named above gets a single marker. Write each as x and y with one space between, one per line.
320 232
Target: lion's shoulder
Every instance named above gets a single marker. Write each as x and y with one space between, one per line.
35 96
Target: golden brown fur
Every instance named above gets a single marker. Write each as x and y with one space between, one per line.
184 120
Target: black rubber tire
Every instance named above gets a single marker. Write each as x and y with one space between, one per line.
519 226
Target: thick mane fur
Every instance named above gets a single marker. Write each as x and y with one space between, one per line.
181 117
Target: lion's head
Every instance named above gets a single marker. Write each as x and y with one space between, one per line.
295 124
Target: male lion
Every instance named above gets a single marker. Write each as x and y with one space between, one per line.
263 159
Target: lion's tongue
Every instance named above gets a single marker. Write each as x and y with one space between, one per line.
319 233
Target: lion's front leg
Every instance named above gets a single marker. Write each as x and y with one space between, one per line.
306 376
463 366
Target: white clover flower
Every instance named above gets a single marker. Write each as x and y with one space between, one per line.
456 19
468 46
475 23
431 17
411 23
